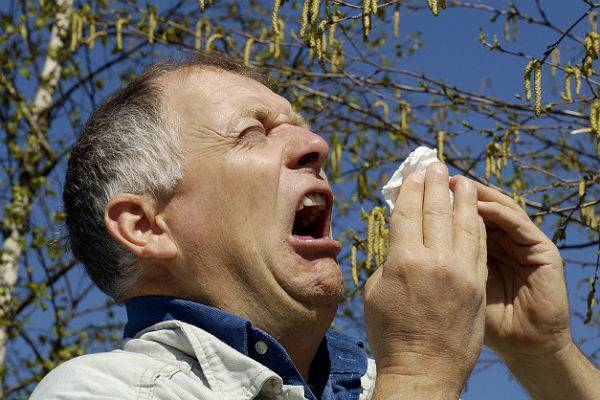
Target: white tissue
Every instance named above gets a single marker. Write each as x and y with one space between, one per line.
418 160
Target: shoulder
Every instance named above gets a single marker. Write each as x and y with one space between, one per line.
110 375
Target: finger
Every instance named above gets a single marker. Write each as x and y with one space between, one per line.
486 193
501 246
520 230
482 261
437 211
466 223
406 223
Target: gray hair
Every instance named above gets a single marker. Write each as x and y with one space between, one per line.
126 146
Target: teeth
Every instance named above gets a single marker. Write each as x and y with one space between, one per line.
311 200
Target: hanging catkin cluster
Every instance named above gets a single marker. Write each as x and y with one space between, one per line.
312 30
78 22
368 7
76 30
496 157
377 236
534 66
434 6
201 25
571 72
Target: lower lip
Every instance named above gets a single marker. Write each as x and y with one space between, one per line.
310 247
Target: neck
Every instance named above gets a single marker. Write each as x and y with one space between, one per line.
302 339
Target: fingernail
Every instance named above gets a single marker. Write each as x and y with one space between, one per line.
439 168
468 186
418 176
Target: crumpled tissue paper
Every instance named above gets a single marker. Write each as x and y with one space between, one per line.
418 160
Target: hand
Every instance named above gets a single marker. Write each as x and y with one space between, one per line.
527 310
425 307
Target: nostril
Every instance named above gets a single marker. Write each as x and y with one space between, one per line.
309 159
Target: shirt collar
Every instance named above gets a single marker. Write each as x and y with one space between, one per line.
336 370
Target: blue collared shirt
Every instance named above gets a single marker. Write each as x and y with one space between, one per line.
335 372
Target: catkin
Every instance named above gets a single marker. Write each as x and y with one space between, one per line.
384 107
332 33
315 11
366 13
505 148
396 23
594 115
151 26
275 17
377 236
247 50
592 44
405 116
201 4
534 66
211 39
76 30
555 61
581 190
440 146
121 22
577 73
354 266
566 95
433 6
304 19
336 156
527 79
370 240
537 87
92 34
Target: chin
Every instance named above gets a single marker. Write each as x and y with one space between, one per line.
316 283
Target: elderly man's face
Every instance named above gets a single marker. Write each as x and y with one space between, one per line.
250 164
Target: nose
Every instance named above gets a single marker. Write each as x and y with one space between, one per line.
308 152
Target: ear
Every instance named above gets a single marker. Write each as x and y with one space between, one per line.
132 221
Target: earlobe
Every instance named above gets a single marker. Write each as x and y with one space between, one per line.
132 221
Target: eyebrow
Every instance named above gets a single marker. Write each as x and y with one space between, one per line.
262 112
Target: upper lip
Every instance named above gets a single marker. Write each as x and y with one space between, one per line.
324 190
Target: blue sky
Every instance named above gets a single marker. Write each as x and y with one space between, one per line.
452 52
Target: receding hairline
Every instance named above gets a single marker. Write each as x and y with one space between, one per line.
179 75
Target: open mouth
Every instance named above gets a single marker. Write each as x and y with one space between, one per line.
311 236
312 217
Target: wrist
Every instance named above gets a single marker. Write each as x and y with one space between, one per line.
416 376
559 355
565 373
395 386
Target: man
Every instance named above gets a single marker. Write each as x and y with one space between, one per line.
195 195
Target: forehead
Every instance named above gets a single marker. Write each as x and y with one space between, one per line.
219 96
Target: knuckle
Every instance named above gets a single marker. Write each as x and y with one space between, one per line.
436 211
471 231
